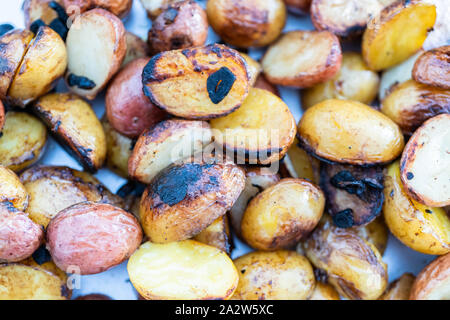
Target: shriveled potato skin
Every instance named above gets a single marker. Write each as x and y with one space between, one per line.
279 275
93 237
155 7
324 291
136 48
217 235
433 282
181 25
411 103
38 9
12 190
298 6
247 23
350 132
433 68
186 198
119 8
400 289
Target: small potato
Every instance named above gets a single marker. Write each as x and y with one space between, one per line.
39 10
96 48
254 68
262 83
93 237
22 142
184 270
12 190
419 227
197 83
181 25
217 235
279 275
298 6
186 198
411 103
165 143
247 23
300 164
399 289
425 163
324 291
350 132
433 68
155 7
375 233
353 265
136 48
73 122
282 214
303 59
433 282
260 131
397 33
119 8
354 81
52 189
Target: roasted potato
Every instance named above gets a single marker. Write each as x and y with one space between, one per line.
217 235
52 189
186 198
93 237
350 132
247 23
397 33
197 83
425 163
324 291
298 6
433 68
136 48
40 10
94 296
400 289
119 8
155 7
22 142
254 68
260 131
12 190
184 270
279 275
165 143
299 164
262 83
96 48
375 232
73 122
422 228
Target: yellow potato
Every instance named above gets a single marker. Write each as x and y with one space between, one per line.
400 289
324 291
12 190
299 164
217 235
254 68
119 148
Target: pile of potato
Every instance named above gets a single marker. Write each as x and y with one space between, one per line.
197 129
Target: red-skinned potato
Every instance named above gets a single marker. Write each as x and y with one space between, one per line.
298 6
433 68
94 296
119 8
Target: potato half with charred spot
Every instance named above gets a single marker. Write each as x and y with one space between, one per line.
425 163
73 122
282 214
324 291
96 47
12 190
350 132
22 142
52 189
424 229
433 68
259 132
164 144
186 198
254 68
119 8
303 59
298 6
384 42
400 289
197 83
217 235
279 275
247 23
155 7
299 164
136 48
92 236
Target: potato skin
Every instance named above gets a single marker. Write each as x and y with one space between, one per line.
254 68
39 9
12 190
155 7
278 275
324 291
92 236
93 296
375 233
299 164
298 6
217 235
399 289
432 68
262 83
136 48
119 8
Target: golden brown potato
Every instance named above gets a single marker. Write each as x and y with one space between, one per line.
254 68
262 83
419 227
298 6
136 48
282 214
155 7
260 131
353 265
165 143
96 47
52 189
433 68
303 59
119 8
384 42
376 233
39 10
350 132
400 289
279 275
299 164
217 235
186 198
433 282
425 163
93 237
73 122
22 142
128 110
324 291
12 190
197 83
181 25
247 23
354 81
94 296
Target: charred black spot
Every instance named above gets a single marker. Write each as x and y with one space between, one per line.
428 211
4 65
60 28
219 84
41 255
131 187
362 188
321 275
409 175
180 41
60 11
170 15
34 27
64 291
343 219
80 82
217 51
243 271
58 124
392 193
5 27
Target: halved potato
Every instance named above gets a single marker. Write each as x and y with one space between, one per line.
12 190
184 270
425 163
303 58
400 289
261 131
217 235
155 7
397 33
75 125
254 68
324 291
119 8
198 83
136 48
299 164
433 68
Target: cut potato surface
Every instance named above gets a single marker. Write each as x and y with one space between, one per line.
12 190
299 164
119 148
182 270
433 68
